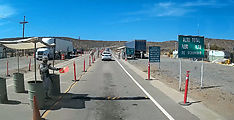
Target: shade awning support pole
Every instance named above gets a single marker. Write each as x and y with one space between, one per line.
18 59
35 68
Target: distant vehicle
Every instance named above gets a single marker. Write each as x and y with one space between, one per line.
139 46
107 49
106 56
61 47
129 52
80 51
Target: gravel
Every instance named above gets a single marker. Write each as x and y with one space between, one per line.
215 75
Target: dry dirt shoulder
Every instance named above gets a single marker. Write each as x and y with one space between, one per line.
212 97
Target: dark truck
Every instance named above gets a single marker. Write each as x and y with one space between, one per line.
139 46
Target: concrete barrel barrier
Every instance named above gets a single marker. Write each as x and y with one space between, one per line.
54 89
3 91
36 89
18 79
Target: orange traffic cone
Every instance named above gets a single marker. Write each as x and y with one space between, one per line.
36 113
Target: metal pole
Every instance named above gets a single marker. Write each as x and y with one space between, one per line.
54 52
35 68
23 27
24 22
7 73
18 59
202 70
180 74
159 65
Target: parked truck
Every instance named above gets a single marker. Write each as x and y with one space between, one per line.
139 46
61 46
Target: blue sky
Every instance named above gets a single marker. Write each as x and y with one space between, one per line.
153 20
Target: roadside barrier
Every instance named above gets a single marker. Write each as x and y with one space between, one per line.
125 58
54 90
185 103
148 70
62 57
3 91
7 72
74 65
36 112
29 65
89 60
18 79
36 88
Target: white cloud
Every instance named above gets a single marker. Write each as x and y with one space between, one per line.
165 4
161 9
6 11
169 9
200 3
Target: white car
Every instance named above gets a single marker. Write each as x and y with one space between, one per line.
106 56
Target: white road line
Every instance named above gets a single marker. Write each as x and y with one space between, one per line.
10 85
151 98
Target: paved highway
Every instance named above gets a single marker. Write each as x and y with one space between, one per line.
110 92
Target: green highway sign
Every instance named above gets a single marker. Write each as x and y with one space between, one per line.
130 51
190 46
154 54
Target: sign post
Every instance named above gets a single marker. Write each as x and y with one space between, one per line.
180 74
191 47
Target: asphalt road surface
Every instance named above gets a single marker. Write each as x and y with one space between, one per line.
111 92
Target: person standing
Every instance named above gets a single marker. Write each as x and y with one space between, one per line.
45 76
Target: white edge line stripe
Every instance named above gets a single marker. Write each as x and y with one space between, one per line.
151 98
10 85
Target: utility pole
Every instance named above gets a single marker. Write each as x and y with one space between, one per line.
198 29
24 22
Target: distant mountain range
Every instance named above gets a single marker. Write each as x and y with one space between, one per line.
226 45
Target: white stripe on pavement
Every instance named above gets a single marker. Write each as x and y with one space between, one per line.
9 85
147 94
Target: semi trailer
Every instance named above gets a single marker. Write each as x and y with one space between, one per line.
60 46
139 47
